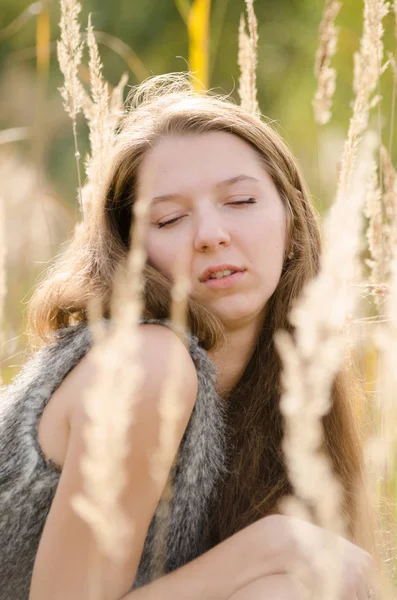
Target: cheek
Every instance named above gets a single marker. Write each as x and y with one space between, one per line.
270 236
161 255
156 254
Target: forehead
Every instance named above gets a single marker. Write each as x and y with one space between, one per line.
196 161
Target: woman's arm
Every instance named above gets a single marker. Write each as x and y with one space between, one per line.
231 570
67 549
257 564
271 587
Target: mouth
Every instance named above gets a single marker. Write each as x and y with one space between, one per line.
223 269
224 282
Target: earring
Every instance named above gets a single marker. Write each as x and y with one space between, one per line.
291 255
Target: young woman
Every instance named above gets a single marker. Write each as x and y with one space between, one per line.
227 196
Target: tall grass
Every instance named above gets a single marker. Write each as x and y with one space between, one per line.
313 357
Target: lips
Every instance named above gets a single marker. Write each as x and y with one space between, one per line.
208 272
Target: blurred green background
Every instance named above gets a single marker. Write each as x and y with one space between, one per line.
38 179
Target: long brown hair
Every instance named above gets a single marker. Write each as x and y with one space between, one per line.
257 478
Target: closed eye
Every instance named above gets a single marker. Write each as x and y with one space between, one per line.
249 201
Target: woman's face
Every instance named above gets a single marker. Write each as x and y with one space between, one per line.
193 181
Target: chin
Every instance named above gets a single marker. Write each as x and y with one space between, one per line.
236 316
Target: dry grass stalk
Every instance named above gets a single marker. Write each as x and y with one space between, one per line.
248 60
119 372
243 61
312 360
170 411
373 210
116 101
368 61
381 210
381 448
70 52
97 119
326 76
103 113
393 65
102 110
97 161
109 404
390 202
169 407
388 333
366 75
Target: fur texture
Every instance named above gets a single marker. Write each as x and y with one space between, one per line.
28 481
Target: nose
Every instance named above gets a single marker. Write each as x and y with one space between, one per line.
210 233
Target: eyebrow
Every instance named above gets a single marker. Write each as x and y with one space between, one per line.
218 185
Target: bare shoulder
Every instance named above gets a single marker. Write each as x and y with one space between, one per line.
157 345
156 349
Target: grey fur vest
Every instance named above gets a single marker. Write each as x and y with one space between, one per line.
28 481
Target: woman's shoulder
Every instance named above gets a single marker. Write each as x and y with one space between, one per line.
45 369
155 353
36 407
